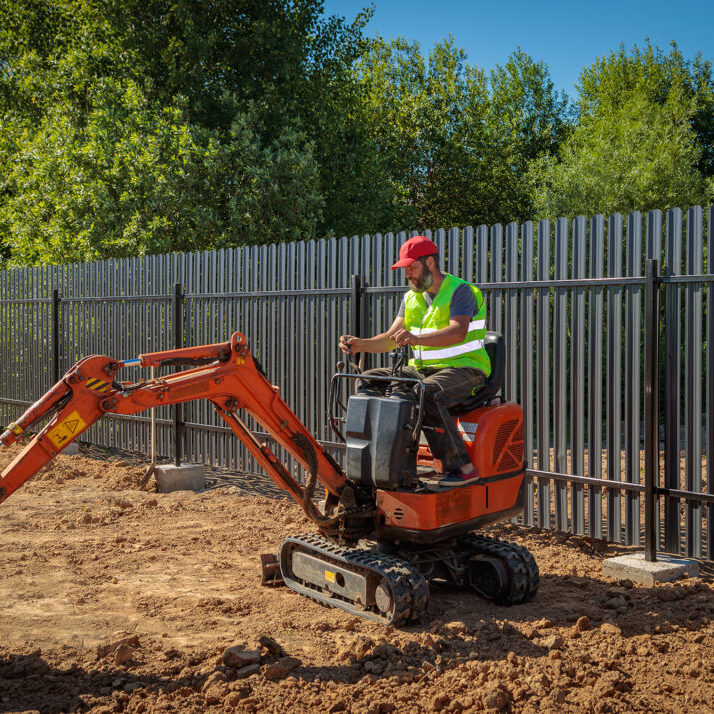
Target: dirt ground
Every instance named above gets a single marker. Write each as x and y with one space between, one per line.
114 598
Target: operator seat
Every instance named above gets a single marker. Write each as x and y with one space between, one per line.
496 349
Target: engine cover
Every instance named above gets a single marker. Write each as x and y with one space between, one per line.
381 450
493 437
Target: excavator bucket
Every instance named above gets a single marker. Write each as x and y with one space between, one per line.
272 577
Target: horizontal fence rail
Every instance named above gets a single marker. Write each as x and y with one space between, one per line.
568 295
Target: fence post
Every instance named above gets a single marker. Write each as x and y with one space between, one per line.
356 310
179 426
359 315
55 336
651 406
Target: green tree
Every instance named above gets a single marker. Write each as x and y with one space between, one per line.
640 142
656 75
452 143
206 123
527 120
639 156
133 179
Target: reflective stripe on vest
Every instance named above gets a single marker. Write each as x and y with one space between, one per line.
420 320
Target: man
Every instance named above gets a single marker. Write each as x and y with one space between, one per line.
443 319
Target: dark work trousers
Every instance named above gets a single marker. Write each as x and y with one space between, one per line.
444 388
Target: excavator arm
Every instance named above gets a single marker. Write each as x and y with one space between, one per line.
225 374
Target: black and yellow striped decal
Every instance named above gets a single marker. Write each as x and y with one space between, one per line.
97 385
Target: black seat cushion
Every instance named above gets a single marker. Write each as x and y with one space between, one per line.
496 352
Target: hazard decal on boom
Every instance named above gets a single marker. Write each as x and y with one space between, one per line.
97 385
66 430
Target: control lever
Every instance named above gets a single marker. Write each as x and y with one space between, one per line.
400 357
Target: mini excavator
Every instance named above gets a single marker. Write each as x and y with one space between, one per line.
385 528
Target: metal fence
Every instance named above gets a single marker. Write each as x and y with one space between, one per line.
568 296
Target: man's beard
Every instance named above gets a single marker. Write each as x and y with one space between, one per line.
423 282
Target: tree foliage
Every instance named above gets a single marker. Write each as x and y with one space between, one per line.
452 143
145 126
641 140
130 127
134 179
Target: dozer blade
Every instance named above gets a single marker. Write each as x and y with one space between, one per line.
272 577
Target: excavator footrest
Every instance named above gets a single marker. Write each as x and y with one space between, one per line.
272 577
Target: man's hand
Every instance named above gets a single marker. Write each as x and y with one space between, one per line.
349 344
404 337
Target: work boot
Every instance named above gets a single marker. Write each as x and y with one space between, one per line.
458 478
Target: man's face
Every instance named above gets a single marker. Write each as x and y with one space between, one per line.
419 276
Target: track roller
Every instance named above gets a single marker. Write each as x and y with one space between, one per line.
500 571
364 582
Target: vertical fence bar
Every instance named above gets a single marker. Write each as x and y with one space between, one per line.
356 307
710 385
379 319
366 319
179 427
393 300
614 373
632 379
482 266
527 393
693 381
309 365
672 380
543 374
654 250
560 371
55 336
454 242
654 234
496 305
467 255
578 375
511 321
597 270
303 327
651 407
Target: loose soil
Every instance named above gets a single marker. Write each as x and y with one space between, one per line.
115 598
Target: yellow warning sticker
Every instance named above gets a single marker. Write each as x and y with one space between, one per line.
98 385
329 576
66 430
240 360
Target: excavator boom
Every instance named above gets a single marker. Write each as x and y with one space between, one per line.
225 374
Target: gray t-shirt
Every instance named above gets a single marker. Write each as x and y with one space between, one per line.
463 302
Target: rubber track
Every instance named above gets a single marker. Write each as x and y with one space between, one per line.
521 565
410 589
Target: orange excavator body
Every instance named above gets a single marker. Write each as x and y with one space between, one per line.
426 526
493 437
231 381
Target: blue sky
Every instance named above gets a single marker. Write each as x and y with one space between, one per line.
566 35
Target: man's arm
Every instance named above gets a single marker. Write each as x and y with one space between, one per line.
383 342
452 335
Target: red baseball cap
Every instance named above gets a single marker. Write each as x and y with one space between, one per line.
414 248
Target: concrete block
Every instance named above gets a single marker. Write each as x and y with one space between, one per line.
189 477
634 566
72 449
